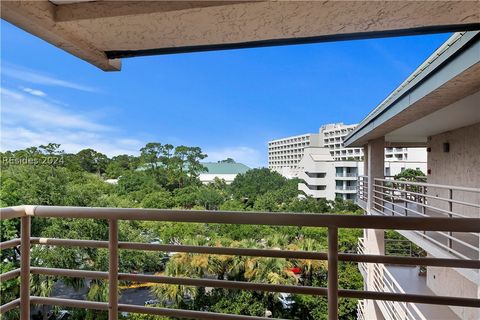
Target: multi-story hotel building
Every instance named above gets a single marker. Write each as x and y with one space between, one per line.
332 136
285 154
437 107
325 177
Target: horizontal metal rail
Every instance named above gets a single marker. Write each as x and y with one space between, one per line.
271 253
9 306
426 195
262 218
332 222
446 212
414 298
13 212
425 236
10 275
423 184
189 314
9 244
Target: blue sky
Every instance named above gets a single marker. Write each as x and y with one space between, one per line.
230 103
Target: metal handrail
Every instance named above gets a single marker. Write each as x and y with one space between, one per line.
332 222
422 184
426 195
393 197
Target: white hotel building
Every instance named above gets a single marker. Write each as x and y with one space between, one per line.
285 154
328 169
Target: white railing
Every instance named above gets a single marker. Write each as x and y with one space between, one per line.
419 199
383 281
113 245
346 188
362 188
361 250
348 174
361 310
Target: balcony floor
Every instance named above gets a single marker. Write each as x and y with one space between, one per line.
411 282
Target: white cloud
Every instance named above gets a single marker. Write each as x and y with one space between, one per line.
30 121
34 112
14 138
246 155
35 92
36 77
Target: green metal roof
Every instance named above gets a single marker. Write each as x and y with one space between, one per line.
225 168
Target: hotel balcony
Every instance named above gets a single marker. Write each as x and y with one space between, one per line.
313 191
391 278
346 176
331 222
420 199
346 189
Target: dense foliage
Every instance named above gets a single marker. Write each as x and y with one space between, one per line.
164 176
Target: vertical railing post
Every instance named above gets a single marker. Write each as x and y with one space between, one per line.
113 270
450 209
424 202
25 268
332 273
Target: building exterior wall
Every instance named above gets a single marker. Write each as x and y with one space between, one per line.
207 178
285 154
317 170
332 136
448 282
460 166
339 178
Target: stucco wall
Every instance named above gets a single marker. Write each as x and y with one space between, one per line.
448 282
458 167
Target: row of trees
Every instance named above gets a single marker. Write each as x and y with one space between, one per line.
164 176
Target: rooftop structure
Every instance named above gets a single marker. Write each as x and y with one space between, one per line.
222 170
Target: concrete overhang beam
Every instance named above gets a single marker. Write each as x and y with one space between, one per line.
101 31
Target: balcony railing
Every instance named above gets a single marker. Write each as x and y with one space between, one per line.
348 174
418 199
361 310
383 281
361 251
362 188
346 188
331 222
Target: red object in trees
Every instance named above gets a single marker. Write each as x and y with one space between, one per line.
296 270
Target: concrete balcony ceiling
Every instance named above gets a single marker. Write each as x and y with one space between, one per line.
102 32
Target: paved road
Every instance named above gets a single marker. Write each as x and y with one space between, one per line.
131 296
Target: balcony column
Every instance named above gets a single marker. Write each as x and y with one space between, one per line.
375 167
375 239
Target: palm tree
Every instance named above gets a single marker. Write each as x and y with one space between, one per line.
308 266
180 265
